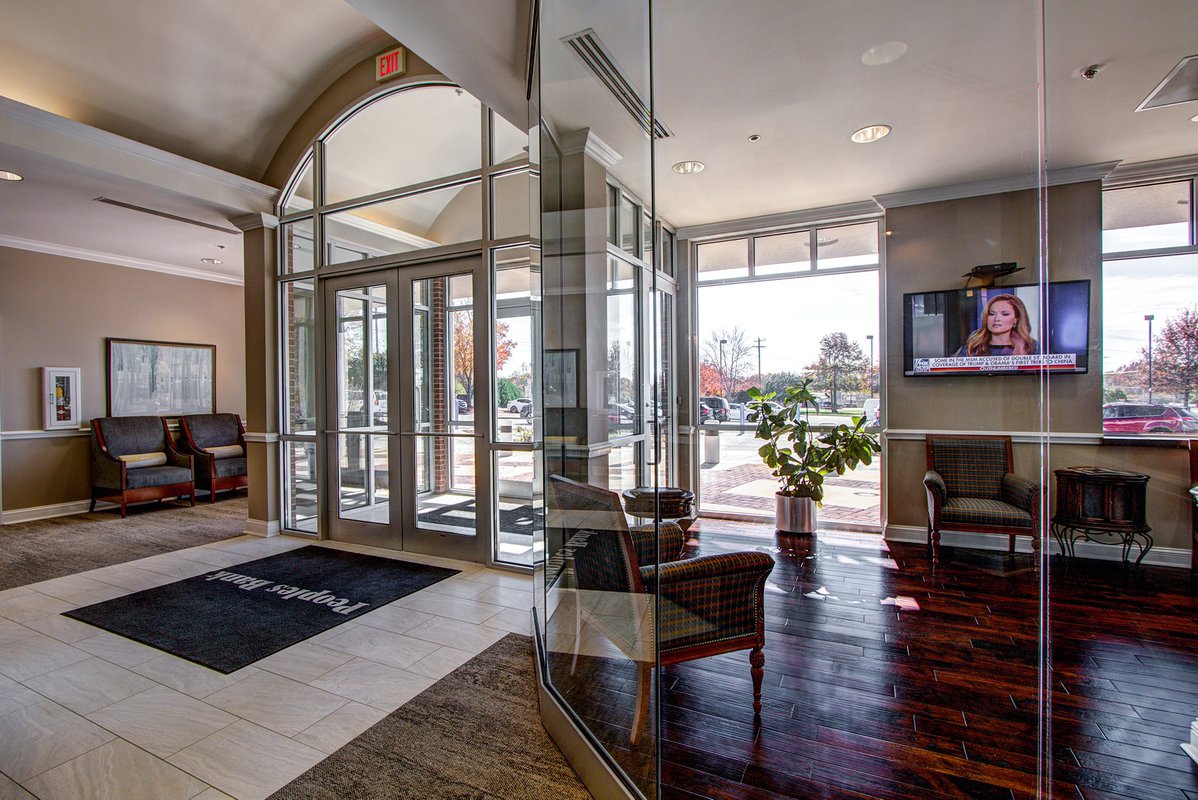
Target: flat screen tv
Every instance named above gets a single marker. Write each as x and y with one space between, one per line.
999 330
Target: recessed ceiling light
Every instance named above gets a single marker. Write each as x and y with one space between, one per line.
870 133
5 175
755 137
884 53
211 261
688 167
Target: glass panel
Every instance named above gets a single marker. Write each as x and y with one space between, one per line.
621 467
787 252
1146 217
362 478
666 258
613 215
362 357
629 214
514 343
299 486
403 139
415 222
847 246
301 196
647 238
296 249
508 143
509 205
720 260
623 350
519 504
299 357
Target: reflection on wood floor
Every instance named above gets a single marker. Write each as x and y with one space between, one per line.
886 681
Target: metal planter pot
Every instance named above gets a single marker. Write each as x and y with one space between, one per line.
795 514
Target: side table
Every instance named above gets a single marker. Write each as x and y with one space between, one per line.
1105 506
665 503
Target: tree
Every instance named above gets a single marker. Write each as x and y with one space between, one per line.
709 379
508 391
779 382
463 350
733 360
1175 354
1114 396
841 365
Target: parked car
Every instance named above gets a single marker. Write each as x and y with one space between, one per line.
1147 418
705 413
872 412
718 406
620 412
521 406
463 406
752 415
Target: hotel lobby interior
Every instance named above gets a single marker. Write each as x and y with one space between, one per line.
466 276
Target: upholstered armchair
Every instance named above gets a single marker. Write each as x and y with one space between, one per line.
133 459
217 441
705 606
971 487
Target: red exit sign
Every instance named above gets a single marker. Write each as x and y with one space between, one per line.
390 64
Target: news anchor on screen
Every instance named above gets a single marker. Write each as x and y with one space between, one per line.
1004 332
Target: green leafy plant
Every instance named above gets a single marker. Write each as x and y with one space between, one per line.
799 456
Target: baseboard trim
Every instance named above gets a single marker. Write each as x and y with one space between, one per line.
1157 556
262 528
46 512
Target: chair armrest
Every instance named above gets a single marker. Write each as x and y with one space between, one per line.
935 484
107 470
1020 492
669 542
707 568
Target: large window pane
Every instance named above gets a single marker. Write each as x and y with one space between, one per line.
515 332
404 139
787 252
508 143
847 246
299 359
719 260
1146 217
415 222
299 485
623 350
518 502
301 196
509 205
296 253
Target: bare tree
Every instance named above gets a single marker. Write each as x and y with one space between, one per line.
841 365
733 360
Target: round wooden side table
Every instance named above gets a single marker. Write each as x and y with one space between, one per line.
1106 506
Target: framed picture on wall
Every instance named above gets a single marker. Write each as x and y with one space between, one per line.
60 392
559 378
160 378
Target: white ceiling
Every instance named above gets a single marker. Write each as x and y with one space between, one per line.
210 88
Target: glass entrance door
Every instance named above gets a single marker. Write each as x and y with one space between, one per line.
406 350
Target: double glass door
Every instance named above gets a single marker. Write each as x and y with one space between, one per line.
407 400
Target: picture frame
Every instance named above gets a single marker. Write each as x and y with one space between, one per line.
164 379
559 380
61 398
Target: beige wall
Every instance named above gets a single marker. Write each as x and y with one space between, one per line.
57 312
930 247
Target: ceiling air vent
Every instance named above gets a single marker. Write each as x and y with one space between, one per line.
153 212
1179 86
588 47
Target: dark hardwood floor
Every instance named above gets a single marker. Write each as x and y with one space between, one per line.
884 680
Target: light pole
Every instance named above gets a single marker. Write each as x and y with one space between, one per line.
723 375
759 345
1148 318
870 336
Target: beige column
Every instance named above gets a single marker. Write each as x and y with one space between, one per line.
261 372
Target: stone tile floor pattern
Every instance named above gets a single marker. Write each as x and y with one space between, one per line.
85 714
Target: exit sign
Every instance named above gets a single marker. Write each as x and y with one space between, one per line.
390 64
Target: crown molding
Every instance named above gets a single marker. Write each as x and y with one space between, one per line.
865 209
936 194
1182 166
254 221
112 259
58 137
585 140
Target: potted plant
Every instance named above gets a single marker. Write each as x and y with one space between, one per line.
800 457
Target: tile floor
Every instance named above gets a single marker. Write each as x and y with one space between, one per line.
87 714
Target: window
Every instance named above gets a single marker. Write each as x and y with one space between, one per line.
1149 316
770 255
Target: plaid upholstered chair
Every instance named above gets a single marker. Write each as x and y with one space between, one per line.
971 487
705 606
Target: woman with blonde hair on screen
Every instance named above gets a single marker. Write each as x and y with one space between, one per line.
1005 330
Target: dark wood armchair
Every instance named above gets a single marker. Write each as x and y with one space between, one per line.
971 487
217 441
133 459
704 606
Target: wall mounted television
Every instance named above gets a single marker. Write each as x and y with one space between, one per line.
987 332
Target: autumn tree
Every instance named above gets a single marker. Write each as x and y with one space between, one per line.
709 379
733 361
463 350
841 365
1175 354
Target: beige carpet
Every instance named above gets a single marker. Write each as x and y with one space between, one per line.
51 548
476 734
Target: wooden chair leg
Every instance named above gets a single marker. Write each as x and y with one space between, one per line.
1011 545
124 505
193 495
934 534
92 507
757 664
644 681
